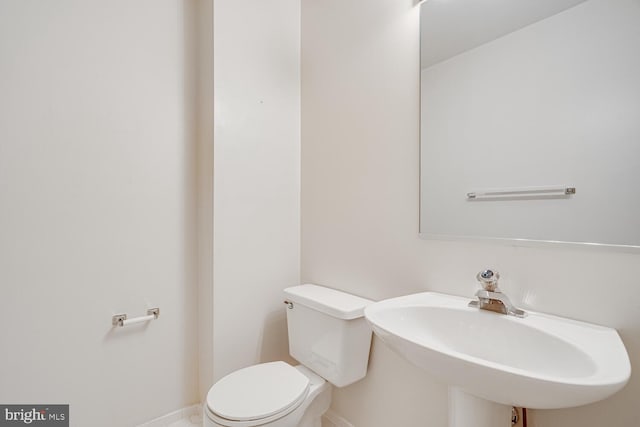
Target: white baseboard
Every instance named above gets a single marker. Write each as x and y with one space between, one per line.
187 413
332 419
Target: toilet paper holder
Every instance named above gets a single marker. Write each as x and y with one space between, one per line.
122 320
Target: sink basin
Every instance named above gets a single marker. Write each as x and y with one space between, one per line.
540 361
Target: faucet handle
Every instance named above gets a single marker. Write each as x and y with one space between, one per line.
489 280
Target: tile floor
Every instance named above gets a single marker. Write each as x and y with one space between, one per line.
192 421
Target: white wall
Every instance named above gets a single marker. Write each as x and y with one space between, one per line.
360 164
97 194
256 245
203 46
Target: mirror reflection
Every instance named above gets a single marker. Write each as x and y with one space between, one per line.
530 120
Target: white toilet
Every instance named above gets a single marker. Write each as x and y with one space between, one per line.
328 335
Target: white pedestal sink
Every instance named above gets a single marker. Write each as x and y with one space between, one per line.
466 410
492 361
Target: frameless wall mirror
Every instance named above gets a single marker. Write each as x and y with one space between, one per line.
530 120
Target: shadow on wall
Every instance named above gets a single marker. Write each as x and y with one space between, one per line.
274 343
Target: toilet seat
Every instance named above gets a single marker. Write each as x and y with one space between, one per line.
263 392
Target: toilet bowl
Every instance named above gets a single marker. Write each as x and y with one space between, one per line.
330 338
272 394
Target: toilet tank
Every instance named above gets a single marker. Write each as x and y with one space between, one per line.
328 332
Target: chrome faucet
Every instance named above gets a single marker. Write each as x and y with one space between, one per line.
491 298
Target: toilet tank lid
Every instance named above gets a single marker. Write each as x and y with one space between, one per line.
329 301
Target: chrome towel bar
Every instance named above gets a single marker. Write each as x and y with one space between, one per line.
526 192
